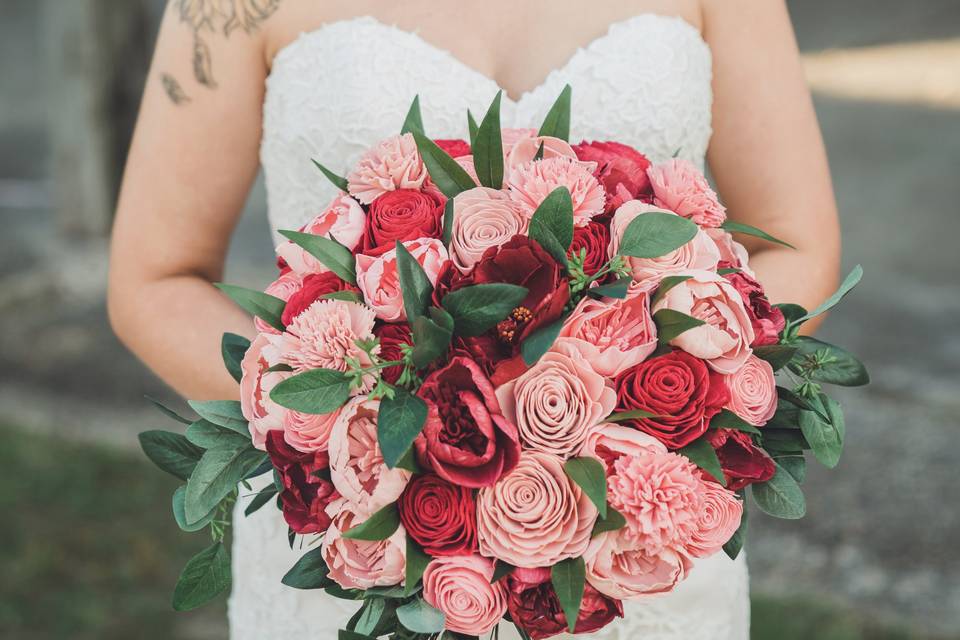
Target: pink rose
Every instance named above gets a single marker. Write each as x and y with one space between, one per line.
699 253
732 253
361 564
394 163
724 340
612 335
343 220
482 218
379 281
679 186
285 286
308 432
617 570
529 184
263 414
357 468
525 150
535 516
460 587
719 520
556 402
753 391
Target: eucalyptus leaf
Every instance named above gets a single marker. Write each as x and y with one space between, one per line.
746 229
539 342
701 453
399 422
420 617
591 476
180 515
839 367
569 579
479 307
444 171
380 526
824 436
167 411
205 576
369 615
264 306
780 496
338 181
655 234
487 147
226 413
208 435
215 477
310 572
671 324
852 280
317 391
263 497
171 452
795 465
233 348
414 119
557 122
330 253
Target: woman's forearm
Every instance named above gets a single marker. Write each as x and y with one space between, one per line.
796 276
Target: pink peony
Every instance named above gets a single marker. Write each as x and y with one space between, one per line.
379 281
724 340
608 442
732 253
511 137
679 186
719 520
394 163
343 220
535 516
460 587
263 414
753 391
283 287
361 564
482 218
699 253
308 432
617 570
525 150
529 184
357 468
556 402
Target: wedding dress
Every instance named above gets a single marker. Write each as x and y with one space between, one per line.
336 91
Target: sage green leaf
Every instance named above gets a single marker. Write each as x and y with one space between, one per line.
747 230
369 616
310 572
208 435
839 367
399 422
346 296
233 348
417 561
181 517
501 570
216 476
539 342
655 234
734 545
825 437
317 391
448 216
613 521
167 411
472 128
780 496
380 526
487 147
552 224
420 617
171 452
591 476
795 465
776 440
791 312
414 119
479 307
569 578
557 121
701 453
330 253
671 324
778 355
206 576
226 413
449 176
415 286
667 283
430 341
338 181
264 306
616 289
727 419
635 414
852 280
263 497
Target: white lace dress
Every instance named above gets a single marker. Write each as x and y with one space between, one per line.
336 91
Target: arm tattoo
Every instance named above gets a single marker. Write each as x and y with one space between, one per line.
174 90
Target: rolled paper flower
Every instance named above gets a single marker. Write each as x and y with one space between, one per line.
719 520
592 241
343 220
460 587
403 214
753 391
619 570
530 183
262 413
306 493
454 147
379 280
361 564
440 516
393 337
679 186
482 218
535 516
392 164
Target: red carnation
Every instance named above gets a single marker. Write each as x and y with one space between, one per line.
392 335
621 169
305 494
681 390
767 320
454 147
440 516
403 214
535 608
314 286
743 462
593 238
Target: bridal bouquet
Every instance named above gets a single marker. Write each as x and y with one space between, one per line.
515 379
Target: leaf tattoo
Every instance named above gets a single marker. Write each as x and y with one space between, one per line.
173 89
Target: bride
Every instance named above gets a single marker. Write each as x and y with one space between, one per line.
236 84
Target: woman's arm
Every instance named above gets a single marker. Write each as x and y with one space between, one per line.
767 154
191 164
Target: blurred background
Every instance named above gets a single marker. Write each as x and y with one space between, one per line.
87 545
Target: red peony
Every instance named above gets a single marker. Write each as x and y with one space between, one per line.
392 335
594 237
314 286
307 489
743 463
621 169
403 214
466 439
767 320
439 515
679 389
535 608
454 147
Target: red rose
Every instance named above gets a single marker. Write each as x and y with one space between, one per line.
403 214
314 286
594 238
621 169
454 148
392 336
466 439
767 320
305 494
439 515
678 388
535 608
743 462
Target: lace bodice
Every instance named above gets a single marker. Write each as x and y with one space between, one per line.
336 91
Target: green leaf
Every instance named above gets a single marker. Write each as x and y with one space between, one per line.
501 570
226 413
171 452
233 348
409 462
778 355
701 453
655 234
266 307
399 422
552 224
430 341
780 496
734 545
671 324
791 312
448 216
317 391
839 366
338 181
590 475
208 435
346 634
380 526
825 436
479 307
539 154
667 283
616 289
167 411
852 280
776 440
747 230
216 476
796 466
365 621
635 414
417 561
472 128
449 176
414 284
414 119
557 122
330 253
263 497
420 617
613 521
727 419
569 578
310 572
180 515
487 147
346 296
206 576
539 342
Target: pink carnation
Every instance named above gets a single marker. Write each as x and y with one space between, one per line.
618 570
361 564
719 520
460 587
262 413
482 218
753 391
529 184
679 186
379 281
394 163
343 220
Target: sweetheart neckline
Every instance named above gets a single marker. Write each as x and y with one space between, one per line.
285 50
